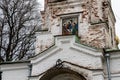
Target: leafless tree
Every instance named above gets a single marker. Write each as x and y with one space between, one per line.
19 19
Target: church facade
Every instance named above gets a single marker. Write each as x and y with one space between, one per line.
77 42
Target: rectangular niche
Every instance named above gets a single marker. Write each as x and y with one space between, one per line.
70 25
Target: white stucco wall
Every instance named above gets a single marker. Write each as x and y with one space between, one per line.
91 31
115 65
17 71
92 61
66 49
43 41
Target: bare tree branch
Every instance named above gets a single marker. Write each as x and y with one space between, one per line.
18 22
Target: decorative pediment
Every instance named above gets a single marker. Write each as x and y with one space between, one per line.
67 50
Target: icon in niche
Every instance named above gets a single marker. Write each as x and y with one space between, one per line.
70 26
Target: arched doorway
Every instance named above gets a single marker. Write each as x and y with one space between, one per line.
61 74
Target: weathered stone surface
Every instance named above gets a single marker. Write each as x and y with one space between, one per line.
93 29
95 36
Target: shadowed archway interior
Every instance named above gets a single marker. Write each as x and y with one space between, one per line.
61 74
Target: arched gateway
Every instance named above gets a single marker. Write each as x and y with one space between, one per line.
61 74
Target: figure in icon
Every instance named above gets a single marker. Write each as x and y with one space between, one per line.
70 26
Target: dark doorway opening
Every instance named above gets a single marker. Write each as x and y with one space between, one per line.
61 74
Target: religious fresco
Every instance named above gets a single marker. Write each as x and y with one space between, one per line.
70 26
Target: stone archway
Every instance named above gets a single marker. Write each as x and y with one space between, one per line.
61 74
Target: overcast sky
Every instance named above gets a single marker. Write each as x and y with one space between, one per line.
116 9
